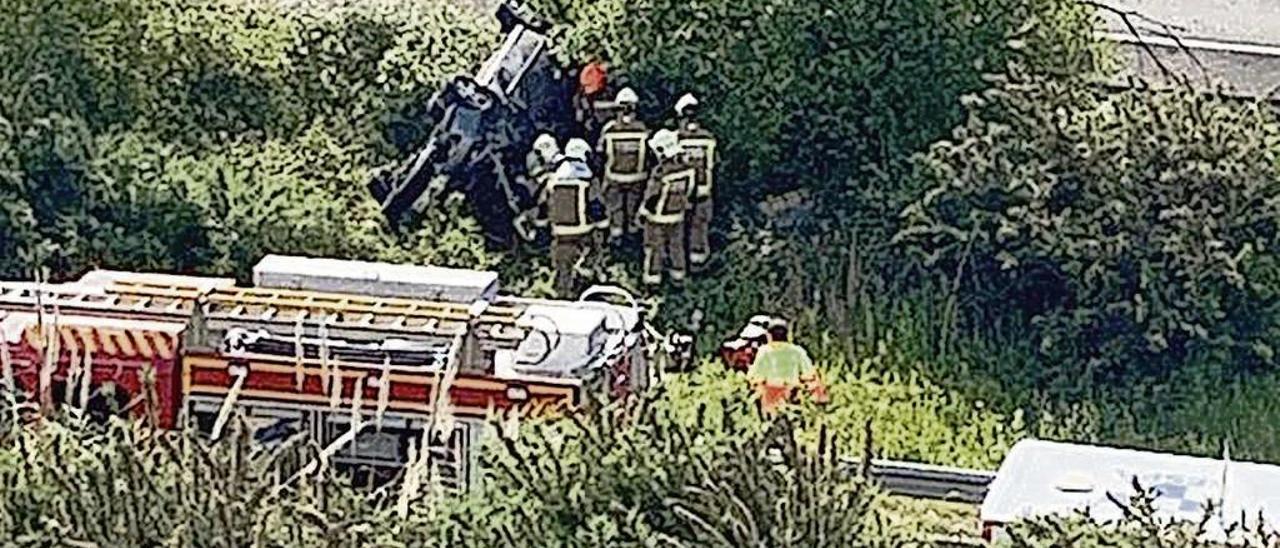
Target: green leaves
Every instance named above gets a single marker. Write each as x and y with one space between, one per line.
1124 223
811 92
195 135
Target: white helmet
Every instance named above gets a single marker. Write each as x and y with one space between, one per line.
666 143
753 331
577 149
545 143
627 96
686 101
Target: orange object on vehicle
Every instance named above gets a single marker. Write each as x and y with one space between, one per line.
592 79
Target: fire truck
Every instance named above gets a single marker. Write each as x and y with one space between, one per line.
361 357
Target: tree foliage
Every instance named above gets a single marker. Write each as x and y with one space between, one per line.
278 111
1134 227
809 93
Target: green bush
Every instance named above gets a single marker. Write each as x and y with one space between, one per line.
220 210
656 471
1134 228
104 104
68 482
665 471
1140 526
809 93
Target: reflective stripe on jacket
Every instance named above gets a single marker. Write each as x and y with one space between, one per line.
700 146
668 193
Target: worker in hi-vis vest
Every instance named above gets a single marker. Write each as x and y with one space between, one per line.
568 200
780 367
539 165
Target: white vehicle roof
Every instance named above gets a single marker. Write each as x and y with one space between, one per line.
1042 477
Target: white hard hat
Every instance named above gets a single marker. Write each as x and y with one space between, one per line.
627 96
665 142
752 331
577 149
686 101
760 320
544 143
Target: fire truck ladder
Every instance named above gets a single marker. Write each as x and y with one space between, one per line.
262 305
251 305
26 297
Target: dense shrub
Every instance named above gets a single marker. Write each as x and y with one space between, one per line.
664 471
1135 228
655 471
104 104
808 93
1142 525
70 482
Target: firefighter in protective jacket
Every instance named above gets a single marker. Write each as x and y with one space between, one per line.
592 82
623 145
700 146
571 204
666 200
539 165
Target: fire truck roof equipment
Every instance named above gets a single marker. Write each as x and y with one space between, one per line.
375 279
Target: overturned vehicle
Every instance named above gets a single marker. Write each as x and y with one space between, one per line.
481 128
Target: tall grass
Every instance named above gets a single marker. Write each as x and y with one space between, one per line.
906 335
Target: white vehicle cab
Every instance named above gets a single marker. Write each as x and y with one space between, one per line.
1039 478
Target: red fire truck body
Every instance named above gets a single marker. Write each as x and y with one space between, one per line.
117 352
319 339
470 396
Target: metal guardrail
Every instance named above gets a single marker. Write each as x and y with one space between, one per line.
928 481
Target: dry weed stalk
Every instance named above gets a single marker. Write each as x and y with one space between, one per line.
421 461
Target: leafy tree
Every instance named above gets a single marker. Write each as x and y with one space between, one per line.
810 93
278 109
1135 228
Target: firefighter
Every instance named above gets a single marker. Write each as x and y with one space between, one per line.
592 80
623 146
567 201
700 145
539 164
666 199
780 367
